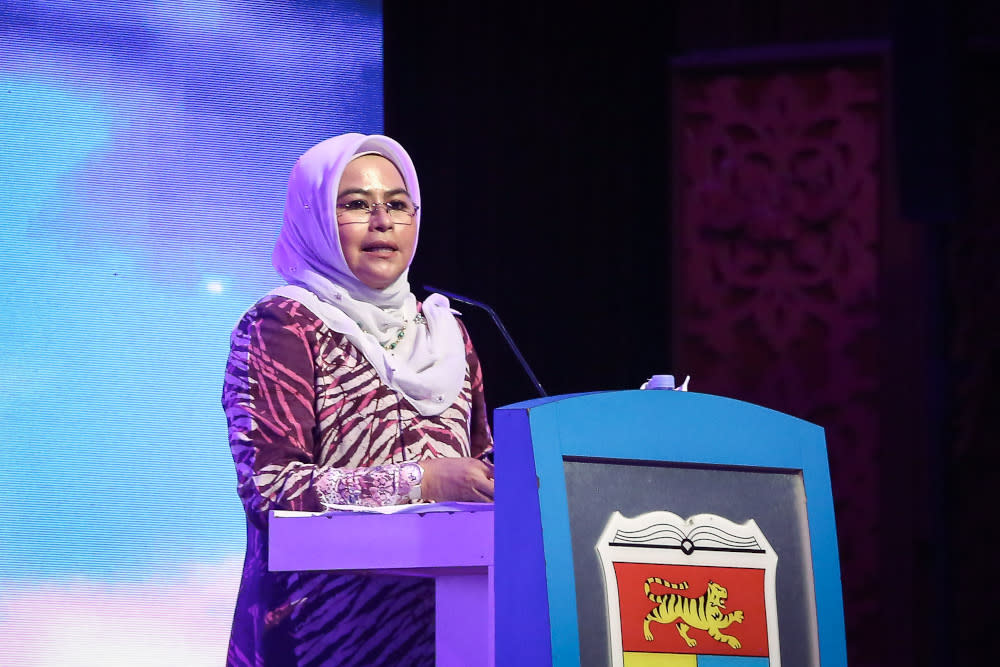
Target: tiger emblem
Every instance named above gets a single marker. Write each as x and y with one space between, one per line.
704 612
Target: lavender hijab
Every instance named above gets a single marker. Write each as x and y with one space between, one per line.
428 364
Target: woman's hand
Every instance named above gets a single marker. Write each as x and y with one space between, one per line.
457 479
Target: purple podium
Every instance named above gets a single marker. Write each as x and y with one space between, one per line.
455 548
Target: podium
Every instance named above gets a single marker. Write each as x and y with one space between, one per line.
453 548
614 508
630 528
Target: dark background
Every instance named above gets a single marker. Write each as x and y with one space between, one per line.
542 135
541 139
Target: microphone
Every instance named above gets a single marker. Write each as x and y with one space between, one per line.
500 326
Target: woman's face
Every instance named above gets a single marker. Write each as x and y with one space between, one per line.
377 252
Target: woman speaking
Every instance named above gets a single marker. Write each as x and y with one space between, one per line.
342 389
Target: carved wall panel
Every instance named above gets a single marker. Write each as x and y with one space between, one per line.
778 190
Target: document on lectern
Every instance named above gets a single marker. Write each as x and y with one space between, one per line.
415 508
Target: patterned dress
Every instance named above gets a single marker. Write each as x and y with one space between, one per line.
311 424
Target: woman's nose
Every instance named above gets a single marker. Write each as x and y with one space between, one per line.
380 217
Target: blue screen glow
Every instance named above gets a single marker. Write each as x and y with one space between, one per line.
144 151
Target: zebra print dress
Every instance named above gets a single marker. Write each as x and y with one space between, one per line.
307 413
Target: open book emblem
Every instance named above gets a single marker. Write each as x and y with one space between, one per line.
678 588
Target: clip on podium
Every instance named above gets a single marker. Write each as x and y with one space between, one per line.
455 548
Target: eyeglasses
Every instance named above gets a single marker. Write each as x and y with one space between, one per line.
359 211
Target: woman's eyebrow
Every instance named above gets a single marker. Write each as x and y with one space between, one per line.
367 193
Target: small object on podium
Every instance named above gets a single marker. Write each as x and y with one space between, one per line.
665 382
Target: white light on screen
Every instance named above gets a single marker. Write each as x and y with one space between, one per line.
214 286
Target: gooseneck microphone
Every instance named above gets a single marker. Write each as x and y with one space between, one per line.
503 330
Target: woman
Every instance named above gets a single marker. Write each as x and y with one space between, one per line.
342 389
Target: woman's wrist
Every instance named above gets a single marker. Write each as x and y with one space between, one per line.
411 475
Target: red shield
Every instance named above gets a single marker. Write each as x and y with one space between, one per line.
744 593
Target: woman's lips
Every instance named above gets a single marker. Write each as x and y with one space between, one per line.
380 248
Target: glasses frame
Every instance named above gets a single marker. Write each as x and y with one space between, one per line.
371 211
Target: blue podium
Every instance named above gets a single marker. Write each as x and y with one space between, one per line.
642 528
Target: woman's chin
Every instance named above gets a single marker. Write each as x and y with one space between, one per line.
377 279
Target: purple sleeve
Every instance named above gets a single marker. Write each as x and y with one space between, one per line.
481 439
269 399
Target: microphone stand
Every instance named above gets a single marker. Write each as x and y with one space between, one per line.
500 326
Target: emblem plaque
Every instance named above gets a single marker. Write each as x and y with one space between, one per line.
677 589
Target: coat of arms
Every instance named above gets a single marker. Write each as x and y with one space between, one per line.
680 588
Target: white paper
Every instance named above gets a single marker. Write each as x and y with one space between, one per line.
416 508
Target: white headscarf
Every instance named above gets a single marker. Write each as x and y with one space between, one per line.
428 364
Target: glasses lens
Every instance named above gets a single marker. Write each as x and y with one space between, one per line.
400 211
355 211
401 216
